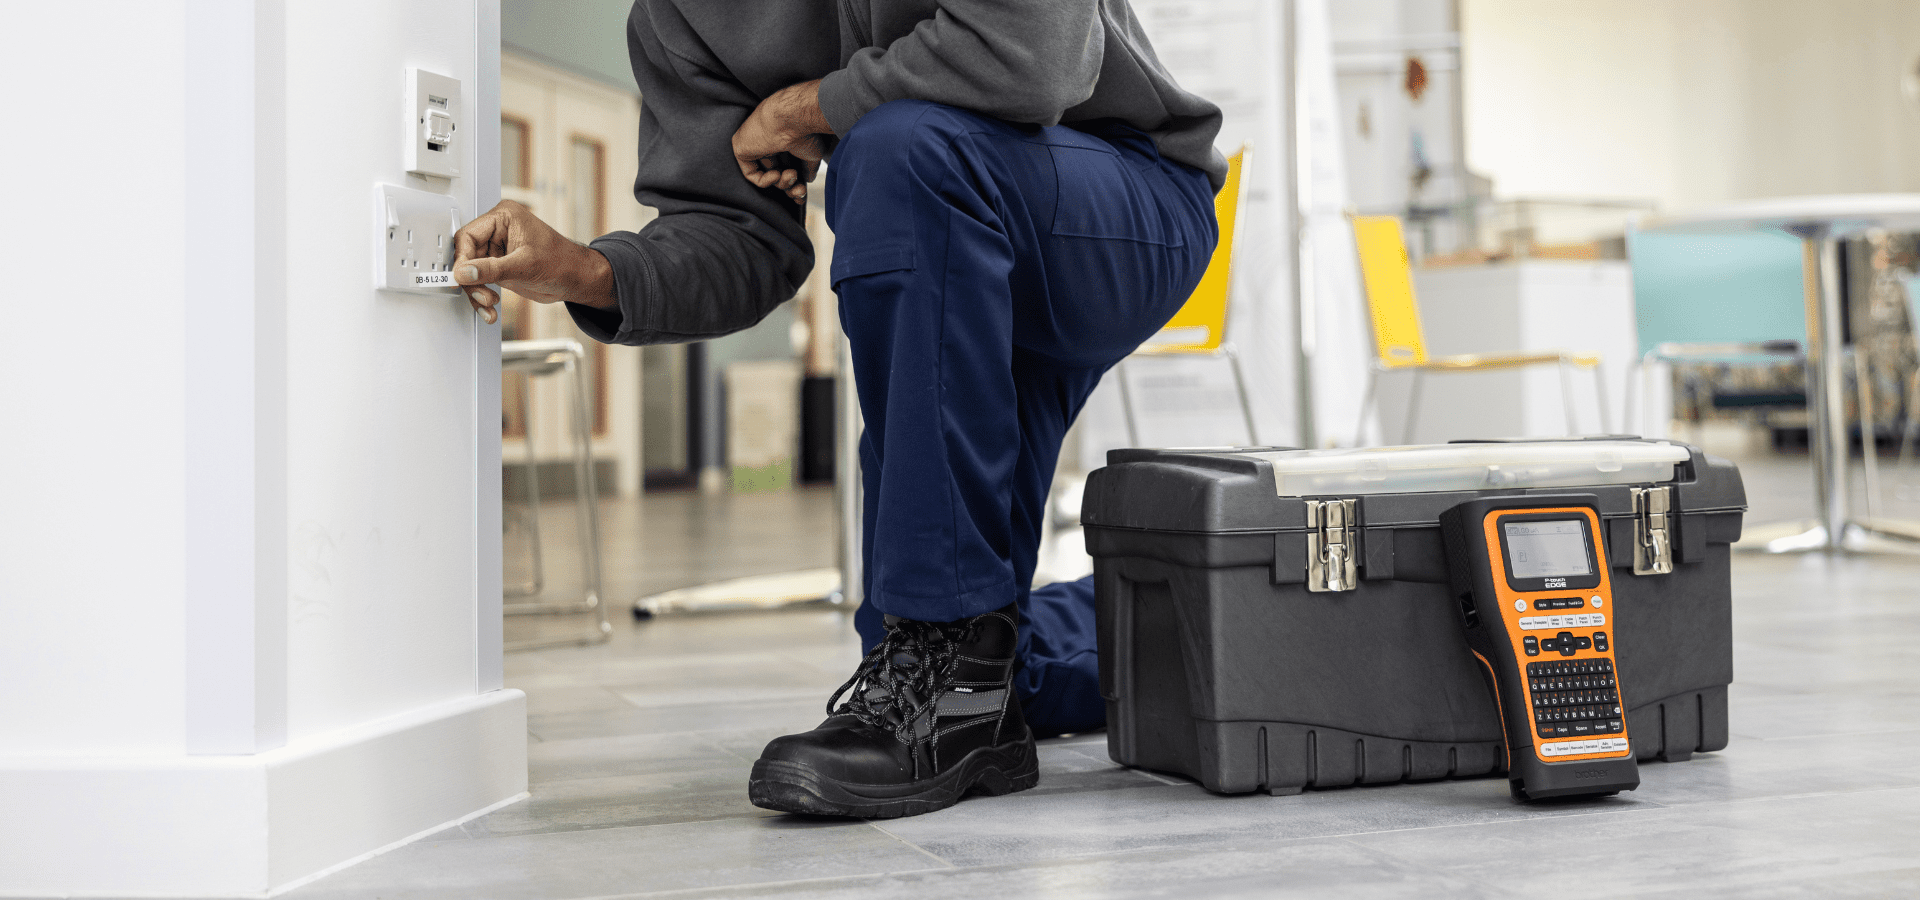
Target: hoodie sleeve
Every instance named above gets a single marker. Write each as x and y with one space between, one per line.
722 253
1016 60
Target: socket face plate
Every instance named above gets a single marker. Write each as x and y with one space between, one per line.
434 140
413 240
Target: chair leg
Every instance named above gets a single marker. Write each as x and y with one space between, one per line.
1636 388
1907 433
1126 403
539 582
1246 403
1870 456
1413 407
1600 397
588 507
1566 397
1366 406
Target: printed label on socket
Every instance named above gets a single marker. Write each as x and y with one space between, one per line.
433 279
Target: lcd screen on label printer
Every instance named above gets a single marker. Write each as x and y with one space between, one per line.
1550 549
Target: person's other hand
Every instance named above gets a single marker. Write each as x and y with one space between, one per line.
511 247
790 122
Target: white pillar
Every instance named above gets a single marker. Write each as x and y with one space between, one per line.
249 573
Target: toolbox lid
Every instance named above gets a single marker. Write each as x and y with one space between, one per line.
1268 489
1471 466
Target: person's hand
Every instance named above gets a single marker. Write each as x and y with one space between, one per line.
511 247
788 122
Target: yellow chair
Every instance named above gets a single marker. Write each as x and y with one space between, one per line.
1400 346
1200 327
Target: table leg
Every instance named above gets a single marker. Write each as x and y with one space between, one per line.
1826 410
1826 396
1834 528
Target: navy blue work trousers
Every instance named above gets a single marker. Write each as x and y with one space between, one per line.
989 273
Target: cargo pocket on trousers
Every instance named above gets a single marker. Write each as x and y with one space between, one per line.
871 261
1101 196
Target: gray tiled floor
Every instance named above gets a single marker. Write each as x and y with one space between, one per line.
640 748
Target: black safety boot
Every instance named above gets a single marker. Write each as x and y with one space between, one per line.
930 716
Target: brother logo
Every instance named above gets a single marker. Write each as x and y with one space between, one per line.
1556 582
1590 773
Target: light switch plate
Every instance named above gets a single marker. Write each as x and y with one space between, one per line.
413 240
434 139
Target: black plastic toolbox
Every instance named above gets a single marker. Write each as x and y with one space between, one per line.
1282 619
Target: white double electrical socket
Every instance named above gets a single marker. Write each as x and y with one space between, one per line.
413 240
433 132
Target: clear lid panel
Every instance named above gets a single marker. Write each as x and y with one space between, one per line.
1471 467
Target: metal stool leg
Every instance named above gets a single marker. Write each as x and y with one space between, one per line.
532 467
1126 402
544 358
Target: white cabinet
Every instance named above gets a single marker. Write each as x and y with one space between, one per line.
1584 307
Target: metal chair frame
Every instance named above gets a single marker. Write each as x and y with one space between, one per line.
534 359
1419 363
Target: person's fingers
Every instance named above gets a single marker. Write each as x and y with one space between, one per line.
482 296
477 238
485 309
797 193
518 265
788 179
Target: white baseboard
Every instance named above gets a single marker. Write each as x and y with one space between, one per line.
251 826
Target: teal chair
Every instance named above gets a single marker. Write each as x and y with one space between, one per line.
1733 298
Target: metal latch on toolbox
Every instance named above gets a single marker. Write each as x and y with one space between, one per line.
1652 538
1330 545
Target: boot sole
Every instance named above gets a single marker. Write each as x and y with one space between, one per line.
793 787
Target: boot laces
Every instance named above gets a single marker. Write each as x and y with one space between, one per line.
899 683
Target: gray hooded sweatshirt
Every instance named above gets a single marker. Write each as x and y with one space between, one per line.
723 253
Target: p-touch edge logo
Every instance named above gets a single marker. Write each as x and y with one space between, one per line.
1590 773
1556 582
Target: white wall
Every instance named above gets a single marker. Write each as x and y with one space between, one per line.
1691 102
249 572
91 546
382 421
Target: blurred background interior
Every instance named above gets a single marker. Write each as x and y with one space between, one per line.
251 631
1527 153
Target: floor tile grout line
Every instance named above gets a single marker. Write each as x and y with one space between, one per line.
924 851
1144 773
711 889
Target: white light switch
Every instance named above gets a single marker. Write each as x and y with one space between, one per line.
434 141
413 240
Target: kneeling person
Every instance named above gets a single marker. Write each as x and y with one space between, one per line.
1018 201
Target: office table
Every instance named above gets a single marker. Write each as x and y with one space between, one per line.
1820 223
